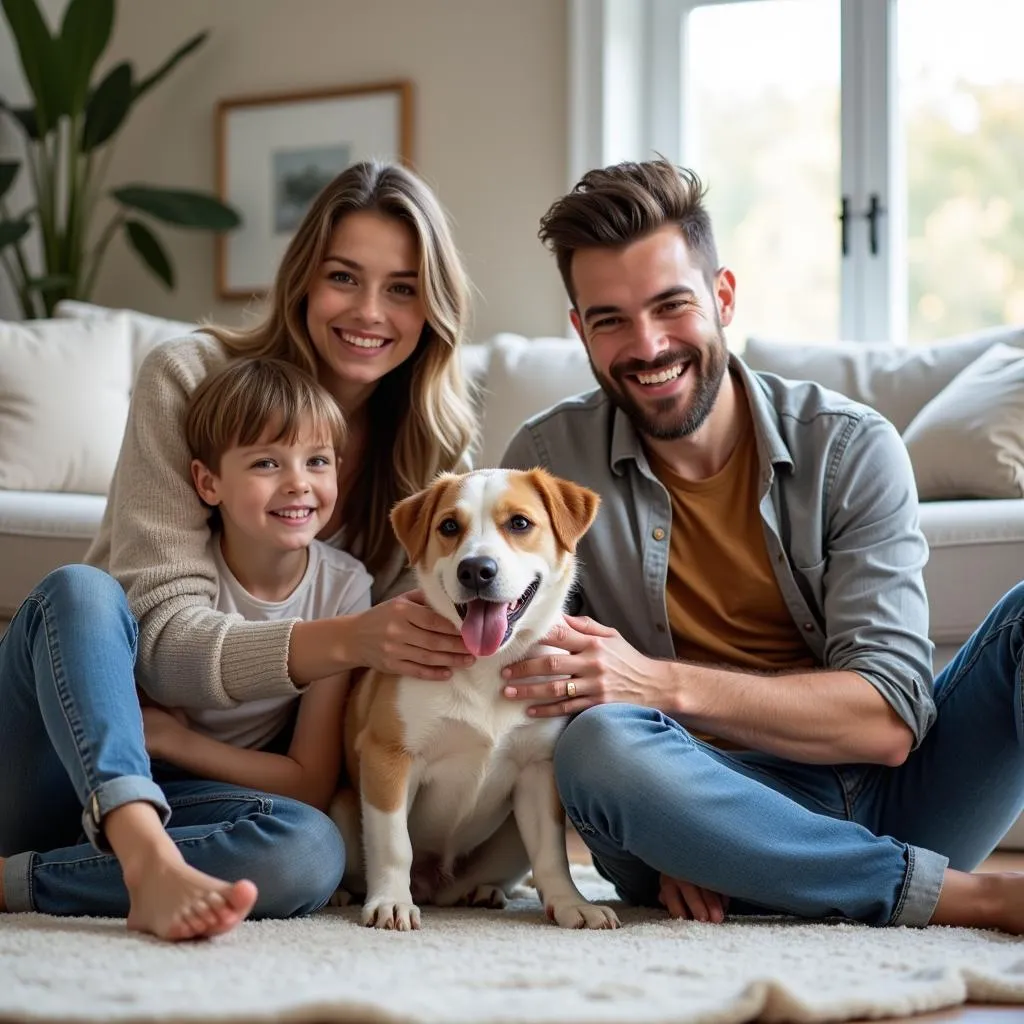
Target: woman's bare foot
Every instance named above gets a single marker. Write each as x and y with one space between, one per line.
169 898
174 901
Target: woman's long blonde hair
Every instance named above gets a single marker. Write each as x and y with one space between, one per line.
421 416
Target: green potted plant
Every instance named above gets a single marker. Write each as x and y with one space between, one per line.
69 129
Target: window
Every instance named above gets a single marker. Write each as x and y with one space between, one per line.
961 116
864 156
762 130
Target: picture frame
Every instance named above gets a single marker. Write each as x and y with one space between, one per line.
276 151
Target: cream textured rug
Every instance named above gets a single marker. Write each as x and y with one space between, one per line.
506 966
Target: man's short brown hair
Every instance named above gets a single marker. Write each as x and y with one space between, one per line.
234 407
614 206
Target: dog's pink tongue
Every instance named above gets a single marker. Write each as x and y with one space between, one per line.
484 627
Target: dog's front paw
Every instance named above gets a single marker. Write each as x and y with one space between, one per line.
581 914
400 915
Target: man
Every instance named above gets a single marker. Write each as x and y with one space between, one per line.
754 674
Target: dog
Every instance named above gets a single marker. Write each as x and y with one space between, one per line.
453 797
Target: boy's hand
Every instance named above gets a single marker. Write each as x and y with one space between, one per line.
163 730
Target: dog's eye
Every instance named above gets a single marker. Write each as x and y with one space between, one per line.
449 527
519 523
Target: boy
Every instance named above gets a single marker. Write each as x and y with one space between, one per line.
265 439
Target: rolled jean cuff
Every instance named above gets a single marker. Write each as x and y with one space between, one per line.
17 872
108 796
921 888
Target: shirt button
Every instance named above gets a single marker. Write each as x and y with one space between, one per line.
658 533
809 627
660 627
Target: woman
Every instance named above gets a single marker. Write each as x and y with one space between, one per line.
372 298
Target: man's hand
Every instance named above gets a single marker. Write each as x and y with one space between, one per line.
689 902
599 667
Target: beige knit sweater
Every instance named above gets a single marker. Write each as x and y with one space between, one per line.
153 540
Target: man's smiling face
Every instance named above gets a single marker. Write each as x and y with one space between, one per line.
652 328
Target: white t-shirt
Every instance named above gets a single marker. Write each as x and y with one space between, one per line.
334 583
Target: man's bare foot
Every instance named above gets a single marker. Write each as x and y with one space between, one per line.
982 900
174 901
1009 901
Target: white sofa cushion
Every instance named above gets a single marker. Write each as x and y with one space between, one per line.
146 331
968 441
975 555
524 377
896 380
64 389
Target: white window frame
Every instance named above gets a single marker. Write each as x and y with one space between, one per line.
627 101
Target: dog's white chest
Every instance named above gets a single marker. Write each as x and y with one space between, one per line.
469 749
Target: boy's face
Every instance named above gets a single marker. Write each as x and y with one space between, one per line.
275 494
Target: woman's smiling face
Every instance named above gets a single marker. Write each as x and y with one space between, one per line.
364 309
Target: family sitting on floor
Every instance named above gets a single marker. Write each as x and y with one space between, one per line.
741 730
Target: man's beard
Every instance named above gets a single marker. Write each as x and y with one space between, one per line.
665 419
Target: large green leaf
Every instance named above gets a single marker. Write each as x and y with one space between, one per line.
108 106
153 254
185 208
84 35
168 65
8 172
26 118
40 60
12 231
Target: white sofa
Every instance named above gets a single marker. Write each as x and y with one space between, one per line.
977 544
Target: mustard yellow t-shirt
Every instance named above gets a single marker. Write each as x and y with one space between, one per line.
724 604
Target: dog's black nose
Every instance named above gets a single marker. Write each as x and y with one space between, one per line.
477 573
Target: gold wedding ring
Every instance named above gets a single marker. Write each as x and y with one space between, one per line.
570 689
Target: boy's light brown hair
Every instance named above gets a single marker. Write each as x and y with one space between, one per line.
614 206
236 406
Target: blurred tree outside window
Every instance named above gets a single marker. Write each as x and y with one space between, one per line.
761 125
962 119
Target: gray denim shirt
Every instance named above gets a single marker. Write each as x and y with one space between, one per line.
840 514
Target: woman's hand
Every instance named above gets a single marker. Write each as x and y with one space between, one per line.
406 637
689 902
164 730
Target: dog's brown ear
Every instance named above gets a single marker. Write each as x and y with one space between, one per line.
411 518
570 506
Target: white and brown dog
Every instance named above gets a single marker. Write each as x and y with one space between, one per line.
455 783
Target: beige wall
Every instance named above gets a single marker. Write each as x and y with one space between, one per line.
490 124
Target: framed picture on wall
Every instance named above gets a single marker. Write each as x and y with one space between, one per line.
275 153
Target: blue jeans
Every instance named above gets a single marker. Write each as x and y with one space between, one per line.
865 842
72 749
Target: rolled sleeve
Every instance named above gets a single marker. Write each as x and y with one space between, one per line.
876 609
